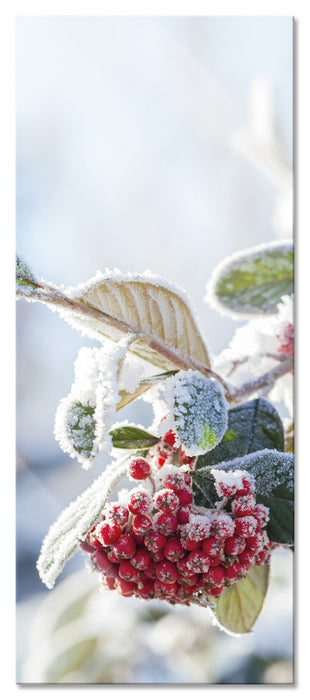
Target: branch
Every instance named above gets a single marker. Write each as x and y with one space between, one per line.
267 381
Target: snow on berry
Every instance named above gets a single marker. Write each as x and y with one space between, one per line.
166 499
139 468
243 505
227 484
222 526
140 502
245 526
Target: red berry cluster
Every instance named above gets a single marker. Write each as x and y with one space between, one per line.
156 543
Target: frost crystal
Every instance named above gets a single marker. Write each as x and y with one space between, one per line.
199 412
84 418
231 478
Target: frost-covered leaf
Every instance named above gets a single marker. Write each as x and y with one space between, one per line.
129 437
25 278
64 536
273 472
199 410
140 304
252 426
239 606
253 281
84 418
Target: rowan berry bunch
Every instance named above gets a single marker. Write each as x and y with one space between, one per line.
156 543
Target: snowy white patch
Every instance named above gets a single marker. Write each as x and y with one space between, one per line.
95 387
232 478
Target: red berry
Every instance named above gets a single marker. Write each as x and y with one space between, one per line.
234 545
127 571
214 575
125 547
198 562
185 496
141 524
247 557
262 557
217 590
145 588
222 526
139 468
87 547
234 572
169 438
165 589
120 514
183 515
243 505
140 502
173 549
101 561
108 533
110 582
166 523
167 571
213 546
154 541
245 526
174 482
247 486
127 588
150 571
141 558
256 541
166 499
261 513
188 579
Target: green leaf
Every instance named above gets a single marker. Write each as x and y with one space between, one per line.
24 275
131 438
252 426
274 477
239 606
64 536
254 280
199 409
81 428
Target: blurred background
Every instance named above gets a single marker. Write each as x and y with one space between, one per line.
142 143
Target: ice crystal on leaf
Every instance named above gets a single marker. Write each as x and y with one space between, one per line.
84 418
199 411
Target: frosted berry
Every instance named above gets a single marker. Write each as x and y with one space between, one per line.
287 340
125 547
167 571
216 591
141 558
185 496
140 502
141 524
166 499
101 561
213 546
243 505
128 572
173 549
245 526
165 589
119 514
234 545
139 468
170 438
145 588
127 588
165 523
247 557
234 572
154 541
215 575
261 513
108 532
256 541
198 562
222 526
183 515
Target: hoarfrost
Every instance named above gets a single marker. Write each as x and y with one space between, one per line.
84 418
199 411
231 478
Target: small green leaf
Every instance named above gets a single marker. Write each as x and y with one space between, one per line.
239 606
131 438
252 426
24 275
254 280
199 409
64 536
